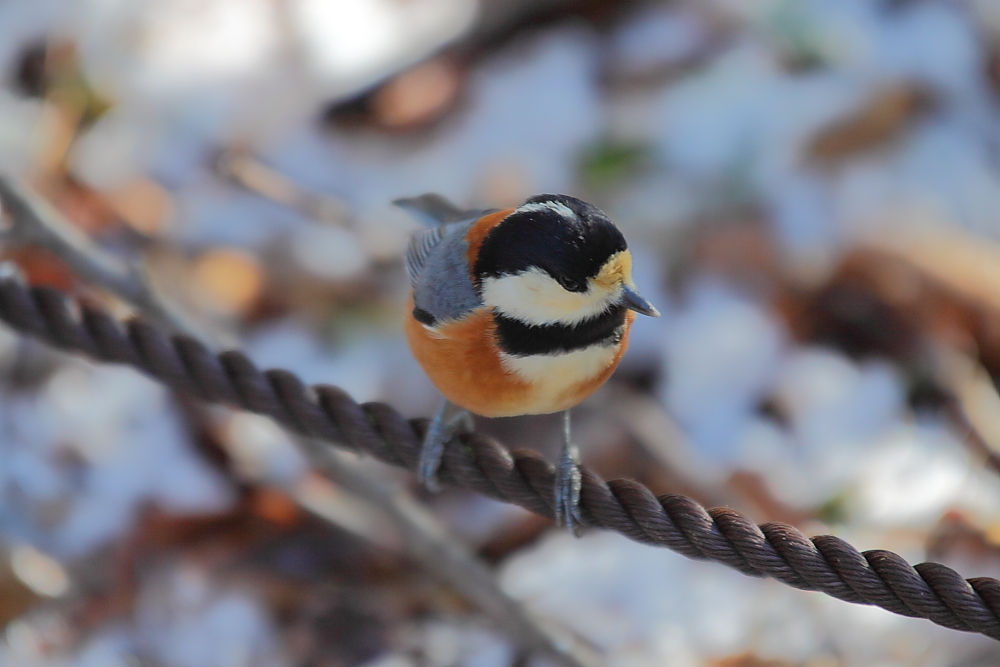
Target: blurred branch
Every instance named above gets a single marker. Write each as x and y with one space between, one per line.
966 264
33 221
242 168
335 503
974 404
952 280
427 540
654 430
661 438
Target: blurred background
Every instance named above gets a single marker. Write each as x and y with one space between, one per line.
811 189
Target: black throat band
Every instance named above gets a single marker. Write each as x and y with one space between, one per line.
522 340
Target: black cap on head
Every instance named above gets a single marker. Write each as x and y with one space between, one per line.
564 236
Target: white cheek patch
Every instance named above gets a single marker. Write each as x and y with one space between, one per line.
534 297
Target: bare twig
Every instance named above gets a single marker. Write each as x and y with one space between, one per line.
35 222
965 264
663 440
244 169
336 504
974 404
426 539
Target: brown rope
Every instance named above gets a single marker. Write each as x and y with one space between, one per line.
825 563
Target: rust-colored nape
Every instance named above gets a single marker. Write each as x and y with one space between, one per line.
477 234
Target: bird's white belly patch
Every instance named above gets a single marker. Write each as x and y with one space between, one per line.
552 374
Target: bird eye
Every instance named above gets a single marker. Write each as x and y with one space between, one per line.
569 284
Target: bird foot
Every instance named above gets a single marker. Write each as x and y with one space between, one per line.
440 431
568 485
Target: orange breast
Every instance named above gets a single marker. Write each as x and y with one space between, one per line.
462 360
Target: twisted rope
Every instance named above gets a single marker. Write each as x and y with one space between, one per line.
522 477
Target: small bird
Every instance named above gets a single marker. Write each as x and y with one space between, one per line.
520 311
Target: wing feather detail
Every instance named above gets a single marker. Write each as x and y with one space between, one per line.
421 246
447 218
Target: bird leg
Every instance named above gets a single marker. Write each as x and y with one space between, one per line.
568 482
439 432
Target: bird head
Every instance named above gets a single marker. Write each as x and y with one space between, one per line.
557 260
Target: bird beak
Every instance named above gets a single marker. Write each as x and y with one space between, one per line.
634 301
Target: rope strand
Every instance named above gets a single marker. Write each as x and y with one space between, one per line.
522 477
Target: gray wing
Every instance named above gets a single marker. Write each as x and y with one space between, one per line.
435 261
421 246
442 216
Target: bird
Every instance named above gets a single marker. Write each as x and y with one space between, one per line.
517 311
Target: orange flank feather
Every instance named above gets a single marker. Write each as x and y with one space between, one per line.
462 359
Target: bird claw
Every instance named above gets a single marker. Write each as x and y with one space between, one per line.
567 493
440 431
431 453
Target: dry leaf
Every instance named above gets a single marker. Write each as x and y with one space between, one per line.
230 280
880 121
417 96
144 205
